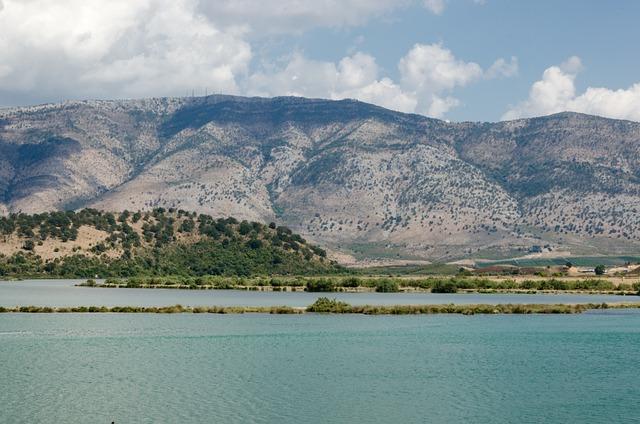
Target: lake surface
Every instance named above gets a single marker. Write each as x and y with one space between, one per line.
65 293
184 368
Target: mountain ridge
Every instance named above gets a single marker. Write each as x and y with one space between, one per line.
355 177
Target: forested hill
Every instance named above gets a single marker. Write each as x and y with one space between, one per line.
158 242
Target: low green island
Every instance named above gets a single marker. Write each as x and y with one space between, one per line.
326 305
350 283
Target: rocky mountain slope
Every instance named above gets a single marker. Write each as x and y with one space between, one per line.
354 177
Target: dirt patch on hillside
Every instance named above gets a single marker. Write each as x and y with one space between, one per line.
53 248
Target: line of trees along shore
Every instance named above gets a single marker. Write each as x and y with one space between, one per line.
325 305
378 284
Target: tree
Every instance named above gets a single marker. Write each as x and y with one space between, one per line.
444 287
600 270
187 226
387 286
245 228
254 243
321 285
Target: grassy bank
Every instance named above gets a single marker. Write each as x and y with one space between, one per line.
325 305
378 284
156 309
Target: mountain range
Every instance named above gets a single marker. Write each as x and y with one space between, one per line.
363 181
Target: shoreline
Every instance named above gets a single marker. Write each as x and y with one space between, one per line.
361 289
327 306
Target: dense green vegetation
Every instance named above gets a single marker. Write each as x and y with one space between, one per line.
386 285
430 269
584 261
156 309
450 286
325 305
379 284
321 285
60 225
159 242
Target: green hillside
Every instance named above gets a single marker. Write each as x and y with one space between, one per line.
159 242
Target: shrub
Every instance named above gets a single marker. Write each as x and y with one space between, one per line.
277 282
320 285
133 283
326 305
444 287
387 286
351 282
254 244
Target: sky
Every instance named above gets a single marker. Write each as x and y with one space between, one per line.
460 60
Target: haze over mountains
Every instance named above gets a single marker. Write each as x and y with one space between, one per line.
351 176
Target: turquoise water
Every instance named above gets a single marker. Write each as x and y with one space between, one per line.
148 368
65 293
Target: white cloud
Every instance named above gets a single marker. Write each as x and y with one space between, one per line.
439 106
502 68
433 68
383 92
300 77
122 48
58 49
428 75
356 71
430 72
556 92
354 76
573 65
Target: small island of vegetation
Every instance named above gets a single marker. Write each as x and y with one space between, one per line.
325 305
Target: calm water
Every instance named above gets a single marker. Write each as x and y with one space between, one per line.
146 368
64 293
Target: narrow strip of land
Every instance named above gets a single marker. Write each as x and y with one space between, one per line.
332 306
352 284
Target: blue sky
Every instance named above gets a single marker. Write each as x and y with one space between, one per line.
452 59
